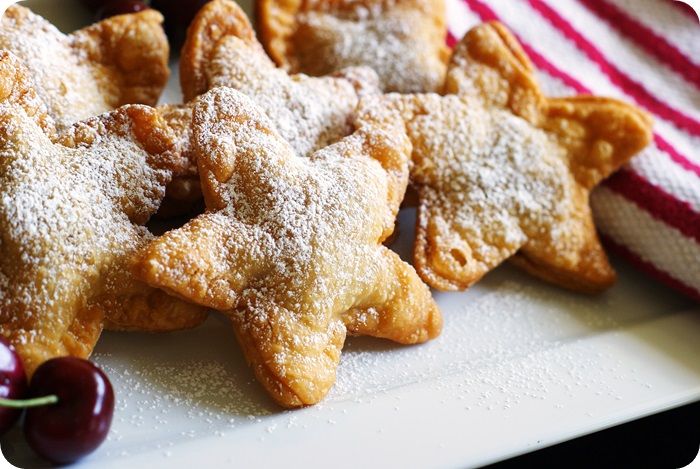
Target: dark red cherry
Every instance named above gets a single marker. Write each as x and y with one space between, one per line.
13 383
79 422
120 7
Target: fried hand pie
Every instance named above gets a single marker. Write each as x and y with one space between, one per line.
290 248
71 216
121 60
503 172
402 40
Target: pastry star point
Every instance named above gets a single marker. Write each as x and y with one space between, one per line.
291 248
70 222
502 172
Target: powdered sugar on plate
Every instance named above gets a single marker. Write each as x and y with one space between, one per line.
199 379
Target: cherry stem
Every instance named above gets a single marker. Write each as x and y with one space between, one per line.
27 403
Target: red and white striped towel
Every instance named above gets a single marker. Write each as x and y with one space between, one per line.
643 51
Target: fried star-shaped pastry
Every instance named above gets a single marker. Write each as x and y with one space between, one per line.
503 172
121 60
70 218
221 50
290 247
308 112
402 40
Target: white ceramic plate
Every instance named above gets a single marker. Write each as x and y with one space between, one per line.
520 365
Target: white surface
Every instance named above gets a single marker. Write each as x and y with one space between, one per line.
520 365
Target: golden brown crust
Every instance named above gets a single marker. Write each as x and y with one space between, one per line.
214 21
129 55
221 50
142 308
94 70
489 66
309 112
599 134
276 22
16 87
69 221
81 336
502 172
276 388
403 40
593 274
291 248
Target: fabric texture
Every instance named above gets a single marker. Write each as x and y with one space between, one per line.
648 53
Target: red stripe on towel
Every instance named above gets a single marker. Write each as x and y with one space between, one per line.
483 10
617 76
487 14
656 201
649 268
655 44
676 156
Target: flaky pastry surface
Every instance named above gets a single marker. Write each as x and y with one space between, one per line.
70 218
402 40
504 173
309 112
221 50
290 247
121 60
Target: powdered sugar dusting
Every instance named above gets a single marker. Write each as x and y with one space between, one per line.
489 184
501 180
66 232
62 80
401 43
293 244
309 113
152 395
507 321
305 219
502 348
